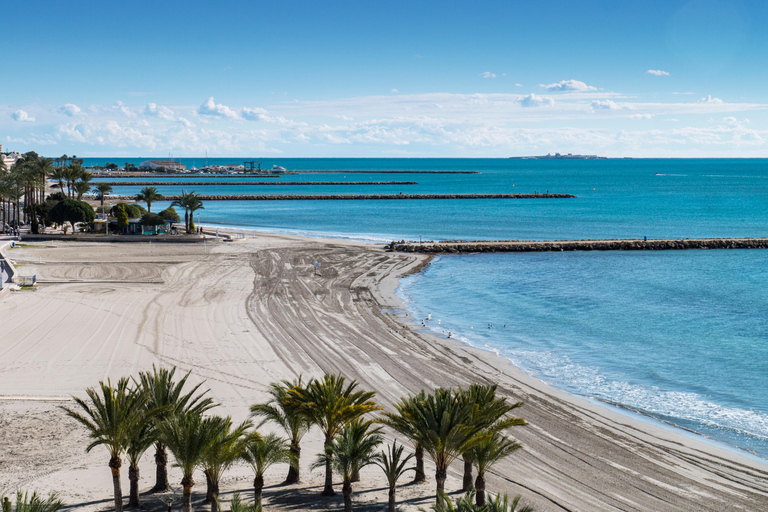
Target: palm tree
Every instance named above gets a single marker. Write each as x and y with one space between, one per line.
466 504
394 466
34 502
57 173
149 195
330 404
237 505
442 424
220 456
136 448
163 392
491 415
261 452
113 417
190 436
71 174
401 422
278 410
351 451
487 453
102 191
81 187
191 203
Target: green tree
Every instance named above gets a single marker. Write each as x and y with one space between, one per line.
260 453
467 503
490 416
190 436
137 446
113 416
394 465
151 219
351 451
34 502
149 195
72 211
402 423
122 216
191 203
487 453
331 403
278 410
220 456
82 187
102 190
443 424
170 398
170 215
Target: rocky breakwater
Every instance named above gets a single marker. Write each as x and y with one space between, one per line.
578 245
259 184
356 197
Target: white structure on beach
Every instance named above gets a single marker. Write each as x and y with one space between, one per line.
169 165
9 158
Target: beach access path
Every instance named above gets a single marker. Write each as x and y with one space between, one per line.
241 315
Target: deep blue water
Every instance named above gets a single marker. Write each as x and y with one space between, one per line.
680 336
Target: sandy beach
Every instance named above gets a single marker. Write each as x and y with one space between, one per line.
241 315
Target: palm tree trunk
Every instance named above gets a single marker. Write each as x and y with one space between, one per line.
328 489
114 464
294 468
468 481
480 489
258 486
208 488
392 501
133 477
186 504
215 497
347 491
355 476
441 474
420 475
161 473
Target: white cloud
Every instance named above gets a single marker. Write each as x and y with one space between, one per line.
518 85
160 112
21 116
69 109
253 114
605 105
536 101
710 100
640 116
569 85
487 74
657 72
394 90
213 109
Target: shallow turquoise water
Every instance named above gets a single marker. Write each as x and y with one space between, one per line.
681 336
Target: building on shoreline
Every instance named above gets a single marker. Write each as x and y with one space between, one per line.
168 165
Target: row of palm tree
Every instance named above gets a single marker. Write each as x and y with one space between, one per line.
154 409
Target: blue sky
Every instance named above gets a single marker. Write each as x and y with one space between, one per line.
308 78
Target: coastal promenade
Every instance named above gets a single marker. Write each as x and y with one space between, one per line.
459 246
357 197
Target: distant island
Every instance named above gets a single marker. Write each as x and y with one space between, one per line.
558 156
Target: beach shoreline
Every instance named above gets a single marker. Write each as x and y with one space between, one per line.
271 314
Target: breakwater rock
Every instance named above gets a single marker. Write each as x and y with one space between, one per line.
355 197
255 183
578 245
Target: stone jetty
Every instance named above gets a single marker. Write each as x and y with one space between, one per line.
255 183
355 197
459 246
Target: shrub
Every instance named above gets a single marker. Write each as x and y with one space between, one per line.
72 211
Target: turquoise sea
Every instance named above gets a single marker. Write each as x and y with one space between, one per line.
678 336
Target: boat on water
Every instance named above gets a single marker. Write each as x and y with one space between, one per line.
276 169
